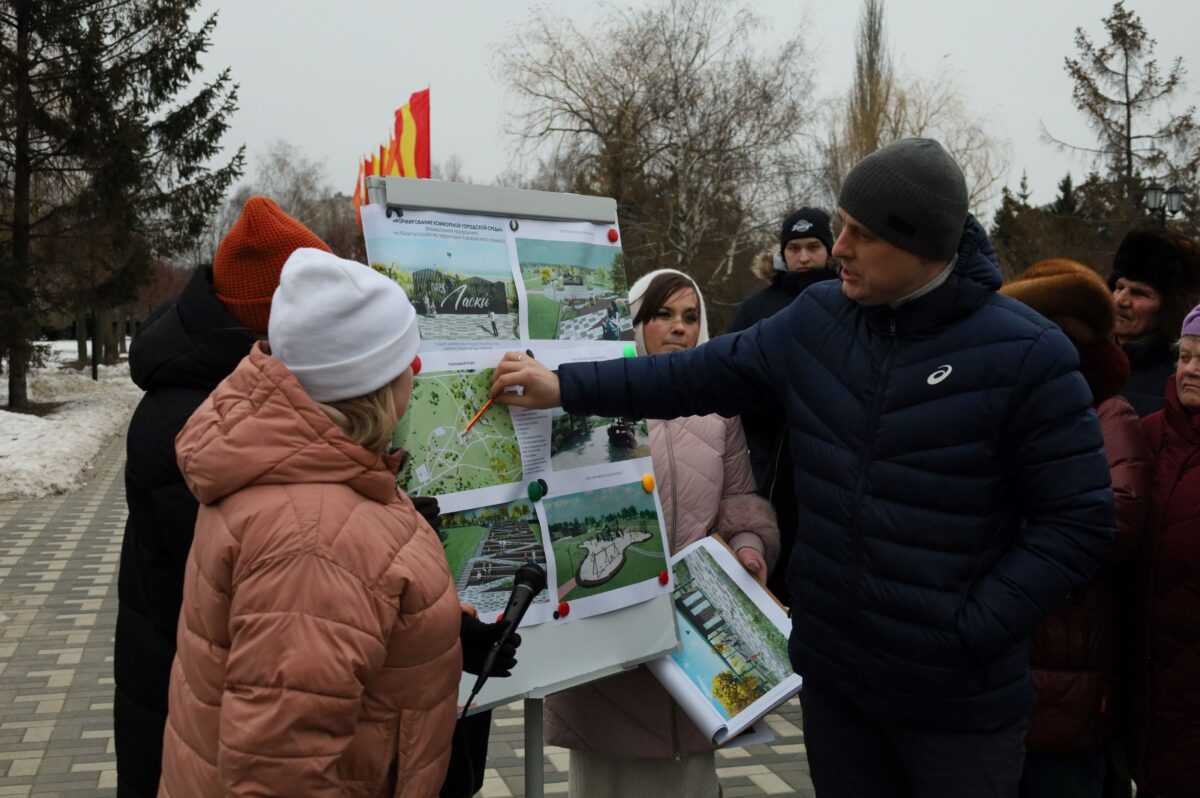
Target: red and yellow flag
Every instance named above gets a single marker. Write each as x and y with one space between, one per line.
412 135
407 152
357 197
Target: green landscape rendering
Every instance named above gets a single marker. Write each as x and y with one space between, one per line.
441 459
604 540
731 650
486 546
570 284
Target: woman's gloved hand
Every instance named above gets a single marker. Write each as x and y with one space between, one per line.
428 507
477 640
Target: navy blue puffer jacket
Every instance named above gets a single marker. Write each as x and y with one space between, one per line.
949 471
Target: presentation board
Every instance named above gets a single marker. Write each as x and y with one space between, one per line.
494 269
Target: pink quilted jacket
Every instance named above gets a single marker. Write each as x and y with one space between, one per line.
706 487
318 649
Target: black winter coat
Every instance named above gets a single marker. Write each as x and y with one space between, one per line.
187 346
770 457
950 475
1151 363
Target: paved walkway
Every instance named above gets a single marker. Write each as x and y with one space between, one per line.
58 598
466 327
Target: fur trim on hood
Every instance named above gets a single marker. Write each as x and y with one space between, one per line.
763 267
769 263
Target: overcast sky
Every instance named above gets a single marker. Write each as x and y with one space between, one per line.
327 76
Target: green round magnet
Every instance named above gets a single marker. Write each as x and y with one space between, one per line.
630 351
537 490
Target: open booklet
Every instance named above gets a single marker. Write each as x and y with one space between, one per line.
733 668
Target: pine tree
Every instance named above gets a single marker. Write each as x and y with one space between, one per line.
104 153
1065 204
1121 91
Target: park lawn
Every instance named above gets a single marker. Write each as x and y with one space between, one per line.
638 567
543 317
532 278
460 545
566 559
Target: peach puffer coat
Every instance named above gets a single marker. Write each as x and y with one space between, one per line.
318 650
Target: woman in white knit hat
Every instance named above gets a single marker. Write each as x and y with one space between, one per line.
318 646
626 735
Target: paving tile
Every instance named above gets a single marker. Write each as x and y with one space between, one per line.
58 565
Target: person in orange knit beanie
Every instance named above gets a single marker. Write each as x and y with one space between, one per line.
245 270
182 351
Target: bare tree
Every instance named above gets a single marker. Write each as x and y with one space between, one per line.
868 110
936 108
677 112
879 109
298 185
296 182
450 170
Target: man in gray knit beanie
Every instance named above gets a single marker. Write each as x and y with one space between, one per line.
950 480
902 208
911 194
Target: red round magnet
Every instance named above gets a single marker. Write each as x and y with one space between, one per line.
564 608
416 365
612 235
663 577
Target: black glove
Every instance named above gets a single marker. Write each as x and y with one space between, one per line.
428 507
477 640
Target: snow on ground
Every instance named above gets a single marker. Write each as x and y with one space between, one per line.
40 455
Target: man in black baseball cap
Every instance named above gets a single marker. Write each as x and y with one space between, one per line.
801 260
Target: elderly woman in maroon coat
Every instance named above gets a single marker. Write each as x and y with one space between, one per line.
1077 651
1166 710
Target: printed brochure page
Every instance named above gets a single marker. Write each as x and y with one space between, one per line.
733 668
595 525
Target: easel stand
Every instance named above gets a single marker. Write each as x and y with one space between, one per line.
535 773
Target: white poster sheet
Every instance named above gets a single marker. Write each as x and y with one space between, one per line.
733 666
479 281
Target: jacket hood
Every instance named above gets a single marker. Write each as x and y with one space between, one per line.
977 260
259 427
768 265
190 341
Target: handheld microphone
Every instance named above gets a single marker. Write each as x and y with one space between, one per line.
529 580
